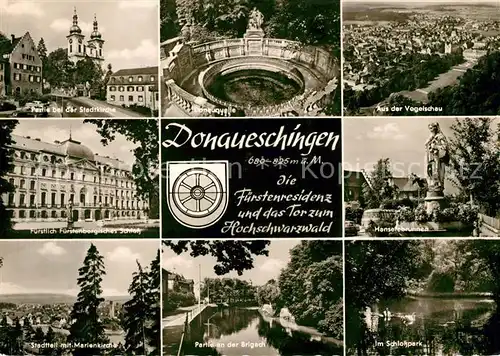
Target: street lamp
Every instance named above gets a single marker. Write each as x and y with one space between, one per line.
70 222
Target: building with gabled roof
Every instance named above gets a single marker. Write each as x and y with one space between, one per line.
134 86
20 66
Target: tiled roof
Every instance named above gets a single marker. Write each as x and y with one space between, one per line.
31 144
136 71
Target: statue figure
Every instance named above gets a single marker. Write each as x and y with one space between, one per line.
437 158
255 19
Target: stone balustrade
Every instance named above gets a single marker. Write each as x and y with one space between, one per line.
182 60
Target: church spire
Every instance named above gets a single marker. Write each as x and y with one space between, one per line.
75 28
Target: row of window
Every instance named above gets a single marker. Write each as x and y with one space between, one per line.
129 88
63 214
97 53
140 98
131 79
53 160
32 68
84 178
123 204
29 57
22 185
30 78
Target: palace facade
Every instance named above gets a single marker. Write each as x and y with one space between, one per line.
60 179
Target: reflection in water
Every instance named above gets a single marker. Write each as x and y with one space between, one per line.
236 332
426 326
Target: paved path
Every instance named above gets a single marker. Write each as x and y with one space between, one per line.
108 110
179 319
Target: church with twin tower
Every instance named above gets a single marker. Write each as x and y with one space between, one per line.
78 48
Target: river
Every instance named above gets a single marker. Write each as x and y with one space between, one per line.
238 331
430 326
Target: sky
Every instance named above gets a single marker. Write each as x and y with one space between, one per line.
366 140
129 27
265 268
52 266
56 129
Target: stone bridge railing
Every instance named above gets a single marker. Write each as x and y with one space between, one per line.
181 60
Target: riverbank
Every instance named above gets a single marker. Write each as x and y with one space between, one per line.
454 295
304 329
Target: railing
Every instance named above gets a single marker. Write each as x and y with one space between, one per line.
491 223
320 63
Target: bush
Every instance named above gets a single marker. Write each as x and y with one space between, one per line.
354 214
397 203
405 213
7 106
176 300
468 214
421 214
446 215
441 282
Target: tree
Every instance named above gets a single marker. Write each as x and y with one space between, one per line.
17 338
59 70
311 286
143 133
137 313
376 270
475 161
42 50
379 188
39 336
268 293
6 166
153 331
87 71
29 331
313 22
87 327
231 255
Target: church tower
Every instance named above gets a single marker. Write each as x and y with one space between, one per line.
95 45
76 44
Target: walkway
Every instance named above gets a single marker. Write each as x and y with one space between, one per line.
107 110
180 319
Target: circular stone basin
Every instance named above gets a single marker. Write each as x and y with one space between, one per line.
254 87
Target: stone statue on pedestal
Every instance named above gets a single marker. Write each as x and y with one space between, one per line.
255 19
255 22
437 157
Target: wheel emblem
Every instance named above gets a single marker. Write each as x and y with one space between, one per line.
197 192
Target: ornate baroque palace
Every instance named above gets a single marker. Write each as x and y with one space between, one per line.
55 180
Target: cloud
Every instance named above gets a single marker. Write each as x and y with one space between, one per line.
171 263
63 25
272 265
123 254
21 8
51 249
137 4
389 131
48 133
146 49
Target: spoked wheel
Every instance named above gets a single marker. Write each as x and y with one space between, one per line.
197 192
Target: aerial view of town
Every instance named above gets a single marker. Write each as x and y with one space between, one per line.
79 298
421 58
71 59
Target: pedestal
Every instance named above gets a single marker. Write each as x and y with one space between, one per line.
255 33
434 200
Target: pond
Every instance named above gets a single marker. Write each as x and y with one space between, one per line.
254 87
430 326
238 331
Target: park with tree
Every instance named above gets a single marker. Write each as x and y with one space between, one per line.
310 286
443 293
